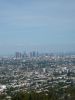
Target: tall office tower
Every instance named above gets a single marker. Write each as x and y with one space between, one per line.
18 55
34 54
30 54
24 55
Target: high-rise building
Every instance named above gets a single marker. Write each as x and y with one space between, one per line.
18 55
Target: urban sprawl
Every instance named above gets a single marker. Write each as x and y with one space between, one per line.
36 71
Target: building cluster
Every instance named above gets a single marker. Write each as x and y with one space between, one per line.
36 72
20 55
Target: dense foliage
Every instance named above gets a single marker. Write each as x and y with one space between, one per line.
53 94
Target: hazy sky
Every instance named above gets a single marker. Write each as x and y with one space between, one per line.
41 24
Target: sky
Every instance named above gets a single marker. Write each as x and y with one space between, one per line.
44 25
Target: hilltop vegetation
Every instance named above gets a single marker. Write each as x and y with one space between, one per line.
55 93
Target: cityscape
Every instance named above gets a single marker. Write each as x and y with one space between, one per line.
36 72
37 49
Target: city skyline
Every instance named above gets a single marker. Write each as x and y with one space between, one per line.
42 25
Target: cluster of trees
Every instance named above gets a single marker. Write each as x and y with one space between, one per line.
53 94
2 97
